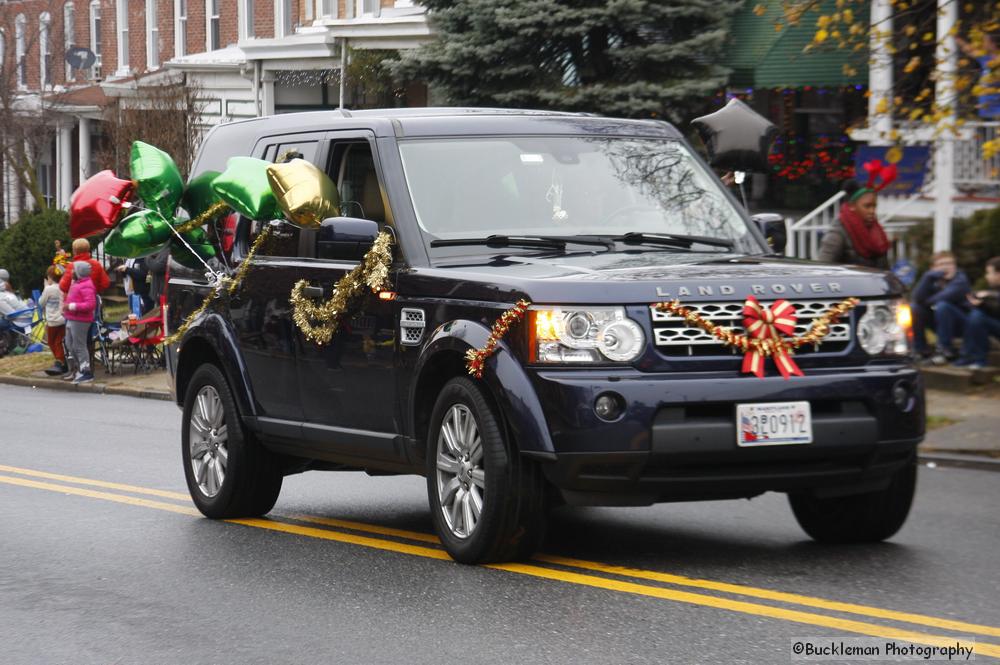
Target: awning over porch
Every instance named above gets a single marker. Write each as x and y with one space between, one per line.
762 56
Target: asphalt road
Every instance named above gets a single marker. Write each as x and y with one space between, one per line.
104 560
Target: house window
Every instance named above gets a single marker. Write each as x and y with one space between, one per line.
180 29
212 38
282 18
121 19
152 36
328 8
369 8
95 36
69 33
20 27
45 50
245 9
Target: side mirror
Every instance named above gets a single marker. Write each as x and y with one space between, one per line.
345 238
772 225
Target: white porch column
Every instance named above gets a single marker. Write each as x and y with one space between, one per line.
84 148
880 73
11 194
946 56
64 151
267 93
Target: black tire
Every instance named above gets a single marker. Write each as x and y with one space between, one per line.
859 518
252 476
511 523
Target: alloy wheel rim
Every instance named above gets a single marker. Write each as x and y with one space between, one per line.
461 479
208 441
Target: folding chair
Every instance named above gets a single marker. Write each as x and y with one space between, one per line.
104 335
146 337
16 331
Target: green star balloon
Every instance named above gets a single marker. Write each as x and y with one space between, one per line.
245 188
156 177
140 234
200 195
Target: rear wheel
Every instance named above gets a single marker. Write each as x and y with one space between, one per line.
859 518
487 501
229 474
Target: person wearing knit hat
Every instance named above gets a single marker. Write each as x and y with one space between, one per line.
78 308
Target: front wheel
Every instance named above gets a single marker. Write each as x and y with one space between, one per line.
487 501
859 518
229 474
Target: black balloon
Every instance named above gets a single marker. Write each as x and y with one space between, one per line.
737 137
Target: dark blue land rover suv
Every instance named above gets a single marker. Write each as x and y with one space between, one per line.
597 397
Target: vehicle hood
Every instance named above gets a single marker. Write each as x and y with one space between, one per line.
647 276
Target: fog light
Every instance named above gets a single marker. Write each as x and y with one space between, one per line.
609 406
901 396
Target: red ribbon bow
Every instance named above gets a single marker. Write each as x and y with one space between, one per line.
768 324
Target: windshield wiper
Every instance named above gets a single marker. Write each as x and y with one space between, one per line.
545 242
672 240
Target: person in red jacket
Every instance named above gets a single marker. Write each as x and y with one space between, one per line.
81 252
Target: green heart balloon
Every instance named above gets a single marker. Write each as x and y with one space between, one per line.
157 179
245 188
199 242
200 195
140 234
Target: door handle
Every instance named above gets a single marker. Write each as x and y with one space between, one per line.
313 292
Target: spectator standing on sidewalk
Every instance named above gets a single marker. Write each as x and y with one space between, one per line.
51 302
939 303
857 237
81 252
135 281
983 321
81 301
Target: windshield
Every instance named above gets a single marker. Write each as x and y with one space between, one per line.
566 186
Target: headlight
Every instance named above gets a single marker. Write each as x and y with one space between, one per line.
594 334
886 328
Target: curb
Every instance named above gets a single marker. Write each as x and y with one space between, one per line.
93 388
959 461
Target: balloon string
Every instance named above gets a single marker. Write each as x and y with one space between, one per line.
216 276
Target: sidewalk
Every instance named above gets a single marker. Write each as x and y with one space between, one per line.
963 426
27 370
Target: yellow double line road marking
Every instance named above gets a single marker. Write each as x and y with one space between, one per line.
27 478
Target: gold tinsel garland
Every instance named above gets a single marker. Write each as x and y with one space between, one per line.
213 211
475 359
319 321
765 347
230 284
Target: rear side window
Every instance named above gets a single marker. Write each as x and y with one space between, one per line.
288 240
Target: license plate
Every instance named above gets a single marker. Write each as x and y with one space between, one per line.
774 424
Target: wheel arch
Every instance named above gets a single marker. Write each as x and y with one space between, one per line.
211 342
507 385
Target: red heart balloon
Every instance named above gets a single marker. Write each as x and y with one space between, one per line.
97 204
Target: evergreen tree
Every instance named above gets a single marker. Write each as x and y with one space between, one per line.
626 58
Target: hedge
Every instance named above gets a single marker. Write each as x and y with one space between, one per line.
27 247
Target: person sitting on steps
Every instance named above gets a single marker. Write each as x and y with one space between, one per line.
939 303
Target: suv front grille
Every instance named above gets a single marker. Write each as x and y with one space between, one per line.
674 338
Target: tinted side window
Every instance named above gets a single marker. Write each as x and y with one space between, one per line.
357 182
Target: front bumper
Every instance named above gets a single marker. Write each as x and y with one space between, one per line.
677 437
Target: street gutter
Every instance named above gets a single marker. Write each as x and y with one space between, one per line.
93 388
